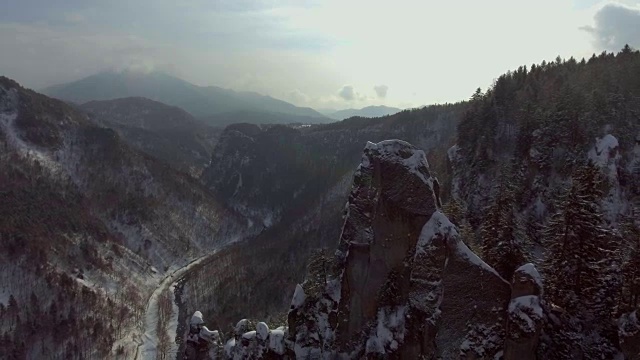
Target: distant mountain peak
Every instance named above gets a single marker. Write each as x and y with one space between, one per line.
199 101
368 111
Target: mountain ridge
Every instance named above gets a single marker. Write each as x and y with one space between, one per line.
91 224
166 132
367 111
162 87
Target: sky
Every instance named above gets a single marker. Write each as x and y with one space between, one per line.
323 54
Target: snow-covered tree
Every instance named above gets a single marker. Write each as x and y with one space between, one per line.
578 245
455 211
502 232
630 297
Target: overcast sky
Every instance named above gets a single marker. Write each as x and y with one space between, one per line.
324 54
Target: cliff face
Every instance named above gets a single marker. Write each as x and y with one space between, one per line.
402 283
405 284
295 181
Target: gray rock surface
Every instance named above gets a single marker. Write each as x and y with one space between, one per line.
408 286
525 314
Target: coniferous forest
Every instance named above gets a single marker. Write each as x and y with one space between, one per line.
547 170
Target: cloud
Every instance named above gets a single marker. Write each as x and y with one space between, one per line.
381 90
615 26
347 92
298 97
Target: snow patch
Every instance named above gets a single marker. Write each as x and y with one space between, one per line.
605 154
196 318
298 297
439 224
628 325
539 208
452 153
262 330
391 150
249 335
276 341
526 312
389 332
150 339
7 123
531 270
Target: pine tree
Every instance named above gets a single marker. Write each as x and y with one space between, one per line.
502 232
455 211
630 297
575 240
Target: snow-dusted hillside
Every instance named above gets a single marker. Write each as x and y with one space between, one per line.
165 132
295 180
91 225
551 152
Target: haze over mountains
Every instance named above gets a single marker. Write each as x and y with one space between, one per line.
165 132
202 102
320 180
369 111
90 193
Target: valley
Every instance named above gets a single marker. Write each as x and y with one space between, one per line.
504 226
151 341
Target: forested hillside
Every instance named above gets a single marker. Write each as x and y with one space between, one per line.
88 226
165 132
547 169
297 181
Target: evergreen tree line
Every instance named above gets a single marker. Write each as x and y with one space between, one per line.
525 141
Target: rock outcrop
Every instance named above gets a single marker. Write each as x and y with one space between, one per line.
629 332
402 283
525 314
398 256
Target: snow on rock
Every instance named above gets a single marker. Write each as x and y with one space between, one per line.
628 324
262 330
196 318
440 225
228 348
539 208
396 150
525 316
530 270
402 271
261 343
276 341
629 333
249 335
481 342
526 312
241 327
605 154
389 332
461 294
437 224
210 336
298 297
452 153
